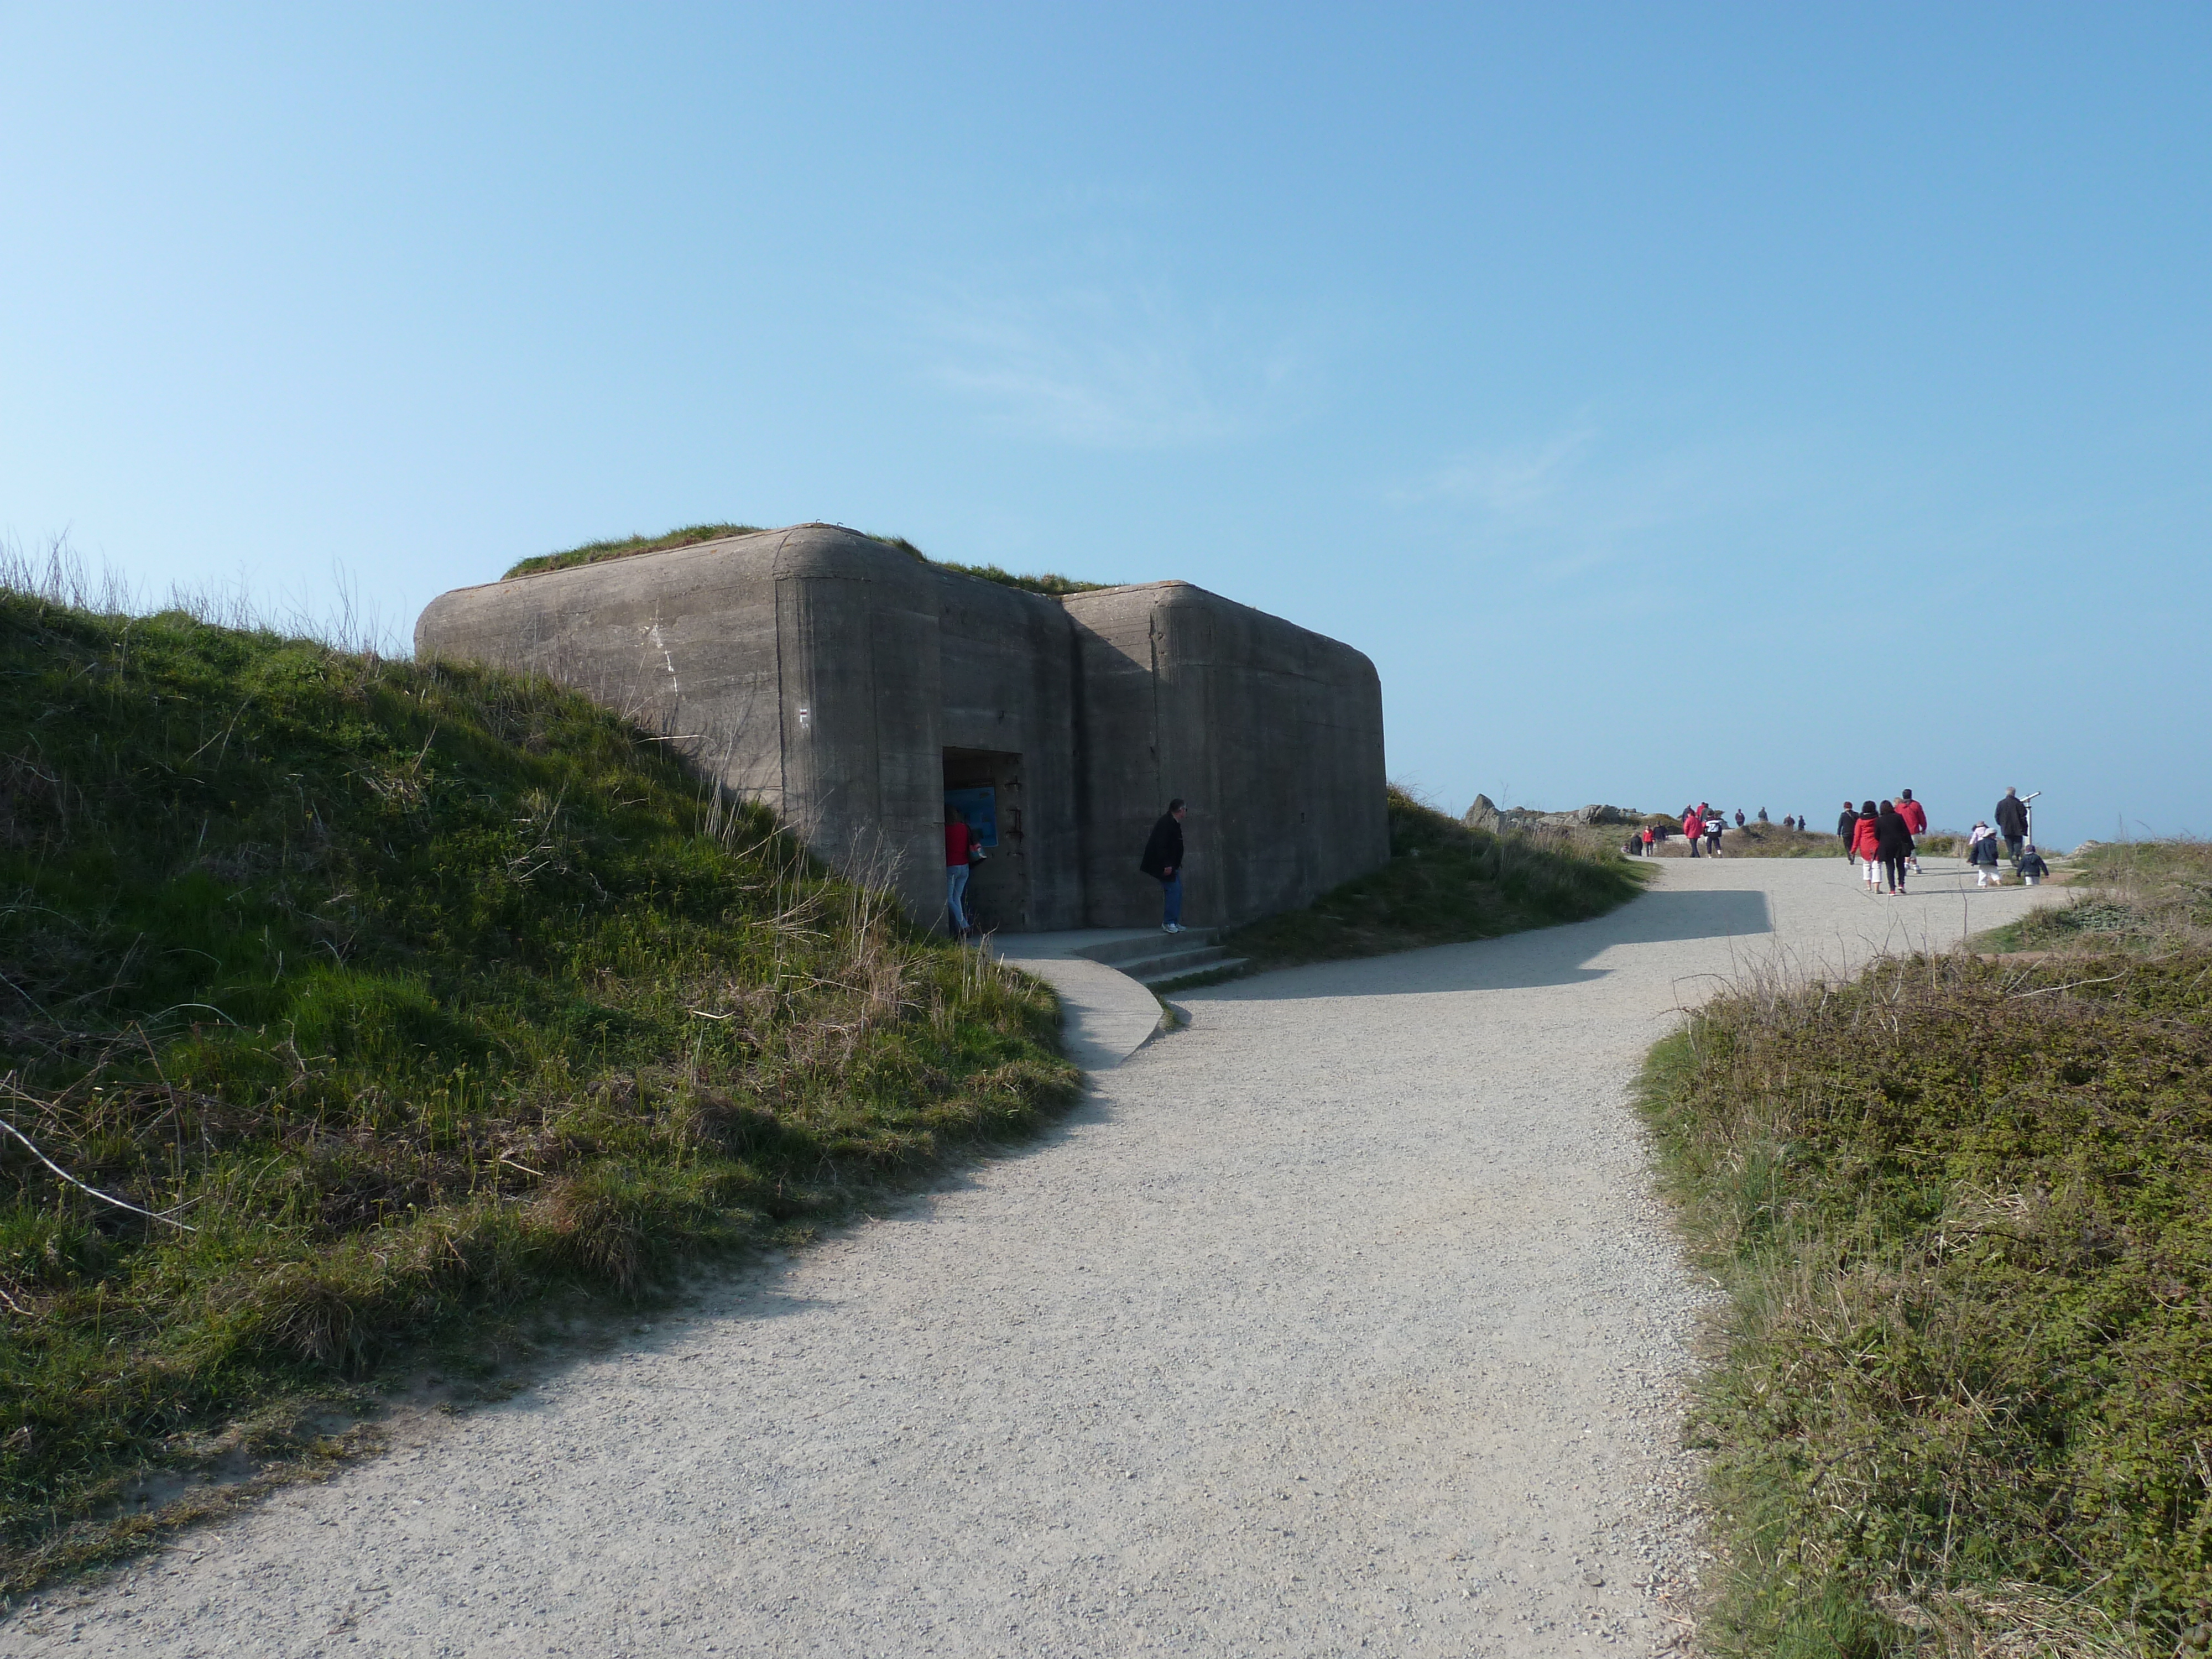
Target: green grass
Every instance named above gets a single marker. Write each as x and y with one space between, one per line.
1444 883
1963 1214
413 1003
2139 897
690 535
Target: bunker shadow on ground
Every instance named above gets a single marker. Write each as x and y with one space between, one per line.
1545 955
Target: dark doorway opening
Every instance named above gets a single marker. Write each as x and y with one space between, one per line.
984 786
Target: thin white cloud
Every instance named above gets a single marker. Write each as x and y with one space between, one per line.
1584 497
1105 366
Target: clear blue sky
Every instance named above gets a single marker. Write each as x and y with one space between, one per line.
1758 404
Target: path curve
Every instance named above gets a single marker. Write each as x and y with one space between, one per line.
1342 1319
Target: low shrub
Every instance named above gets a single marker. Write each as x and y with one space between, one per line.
1963 1211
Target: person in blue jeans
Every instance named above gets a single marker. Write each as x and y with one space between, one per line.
1163 862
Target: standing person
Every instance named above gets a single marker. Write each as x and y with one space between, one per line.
1163 862
1864 843
1739 817
1650 838
1693 826
1762 815
2012 824
1848 826
1714 824
1916 819
1893 842
959 841
1982 854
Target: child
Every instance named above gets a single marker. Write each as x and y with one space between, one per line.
1982 854
2032 869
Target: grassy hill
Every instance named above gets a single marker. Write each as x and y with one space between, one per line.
1445 883
347 1004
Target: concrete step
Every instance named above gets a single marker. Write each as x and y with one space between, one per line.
1166 963
1168 978
1137 946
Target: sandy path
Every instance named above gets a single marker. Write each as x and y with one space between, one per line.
1340 1320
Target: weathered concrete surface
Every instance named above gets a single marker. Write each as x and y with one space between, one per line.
1272 731
839 680
1105 1016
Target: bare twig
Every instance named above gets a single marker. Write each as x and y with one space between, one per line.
105 1198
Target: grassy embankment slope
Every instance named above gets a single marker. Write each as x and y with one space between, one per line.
396 1002
691 535
1963 1208
1444 883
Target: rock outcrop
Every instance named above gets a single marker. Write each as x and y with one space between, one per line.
1486 814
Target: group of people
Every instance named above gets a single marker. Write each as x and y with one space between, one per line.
2012 824
1884 838
1702 825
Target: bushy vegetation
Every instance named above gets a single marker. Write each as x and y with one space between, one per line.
1444 883
2130 895
690 535
1963 1209
348 1003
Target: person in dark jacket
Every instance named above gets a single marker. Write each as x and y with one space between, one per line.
1848 826
1163 862
1893 842
2012 824
1982 854
2032 869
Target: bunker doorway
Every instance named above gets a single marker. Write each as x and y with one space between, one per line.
984 786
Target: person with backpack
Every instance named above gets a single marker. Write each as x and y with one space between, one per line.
1894 843
1864 843
1163 862
1916 820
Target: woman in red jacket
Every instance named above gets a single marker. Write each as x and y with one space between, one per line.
1866 845
1693 826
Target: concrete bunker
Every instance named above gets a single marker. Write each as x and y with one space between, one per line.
859 691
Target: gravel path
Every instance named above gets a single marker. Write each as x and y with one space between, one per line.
1341 1320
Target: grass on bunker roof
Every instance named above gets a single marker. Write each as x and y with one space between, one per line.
350 1006
1962 1209
1445 883
690 535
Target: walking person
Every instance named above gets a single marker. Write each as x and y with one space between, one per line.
1864 843
1163 862
2012 824
1715 823
959 844
1693 826
1894 841
1916 820
1982 854
1739 819
1847 826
